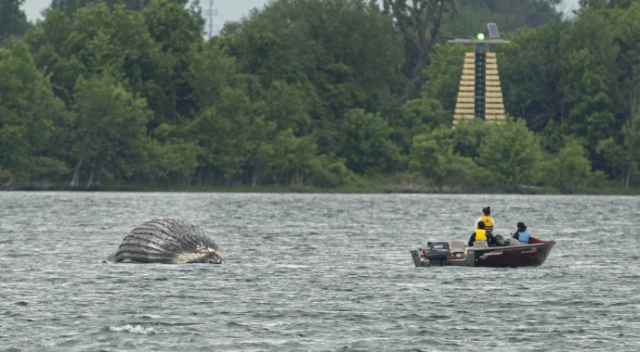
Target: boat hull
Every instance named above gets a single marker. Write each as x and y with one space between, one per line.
513 256
533 254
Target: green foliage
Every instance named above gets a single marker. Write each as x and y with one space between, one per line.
211 70
598 4
315 93
418 116
624 158
347 49
329 172
444 74
530 71
27 112
513 153
148 52
591 117
13 21
419 22
288 106
433 155
222 134
170 159
175 32
617 158
626 29
365 143
468 137
551 138
570 168
69 7
110 125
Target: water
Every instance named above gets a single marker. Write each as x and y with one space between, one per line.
315 273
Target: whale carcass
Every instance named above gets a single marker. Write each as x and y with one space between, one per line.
167 241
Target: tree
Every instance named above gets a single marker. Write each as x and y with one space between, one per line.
531 72
222 135
148 52
111 132
211 71
626 28
590 117
28 109
365 143
346 49
13 21
512 152
589 83
433 155
169 159
443 74
177 32
468 137
280 157
419 23
598 4
624 157
570 168
418 116
69 7
631 133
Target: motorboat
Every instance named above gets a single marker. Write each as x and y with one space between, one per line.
507 254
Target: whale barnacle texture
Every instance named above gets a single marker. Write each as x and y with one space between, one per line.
167 241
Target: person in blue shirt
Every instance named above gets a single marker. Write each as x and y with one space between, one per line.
522 234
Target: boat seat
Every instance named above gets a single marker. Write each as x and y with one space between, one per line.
480 244
457 246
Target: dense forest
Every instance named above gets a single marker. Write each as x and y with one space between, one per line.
129 94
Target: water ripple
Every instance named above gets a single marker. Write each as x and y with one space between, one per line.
315 272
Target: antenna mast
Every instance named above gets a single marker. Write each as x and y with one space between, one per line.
211 13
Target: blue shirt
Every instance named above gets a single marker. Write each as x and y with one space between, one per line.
522 236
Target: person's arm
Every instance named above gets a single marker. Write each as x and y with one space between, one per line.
472 239
516 235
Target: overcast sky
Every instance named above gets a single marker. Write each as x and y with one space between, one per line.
228 10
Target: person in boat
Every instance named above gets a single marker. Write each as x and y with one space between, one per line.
480 234
522 234
489 224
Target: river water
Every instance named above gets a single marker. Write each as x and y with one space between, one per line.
316 272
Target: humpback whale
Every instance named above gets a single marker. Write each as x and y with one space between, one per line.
167 241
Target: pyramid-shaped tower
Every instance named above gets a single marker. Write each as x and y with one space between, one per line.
480 94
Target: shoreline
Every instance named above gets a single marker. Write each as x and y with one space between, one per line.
347 189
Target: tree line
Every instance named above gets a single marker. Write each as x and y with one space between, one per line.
324 93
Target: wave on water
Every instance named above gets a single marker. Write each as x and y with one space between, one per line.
134 330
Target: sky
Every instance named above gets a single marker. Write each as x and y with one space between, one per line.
228 10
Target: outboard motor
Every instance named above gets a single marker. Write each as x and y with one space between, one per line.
437 253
